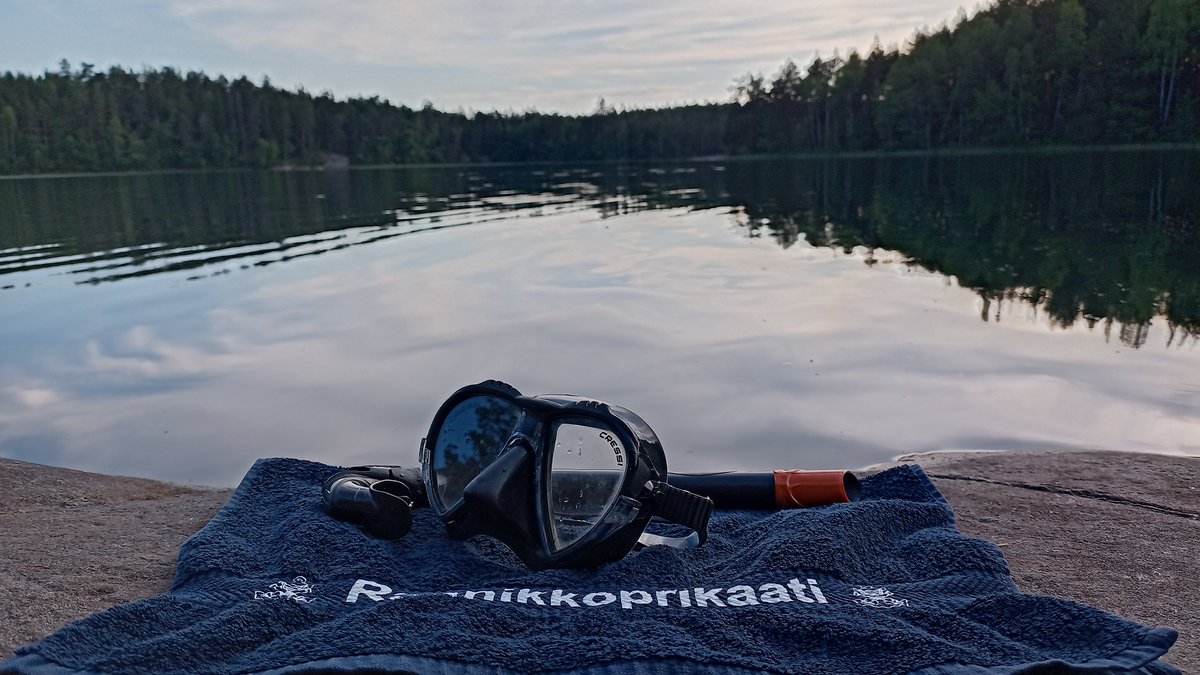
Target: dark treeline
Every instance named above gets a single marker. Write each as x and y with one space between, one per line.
1021 72
156 119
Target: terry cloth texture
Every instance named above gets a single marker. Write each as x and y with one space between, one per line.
884 585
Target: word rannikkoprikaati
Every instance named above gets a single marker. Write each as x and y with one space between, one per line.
733 596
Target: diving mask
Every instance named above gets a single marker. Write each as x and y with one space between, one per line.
563 481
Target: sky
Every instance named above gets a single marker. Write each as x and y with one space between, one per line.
463 54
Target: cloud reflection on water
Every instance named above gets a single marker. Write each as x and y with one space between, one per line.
740 355
750 352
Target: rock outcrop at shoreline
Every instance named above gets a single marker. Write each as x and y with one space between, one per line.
1114 530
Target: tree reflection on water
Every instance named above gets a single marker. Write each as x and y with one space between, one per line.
1108 238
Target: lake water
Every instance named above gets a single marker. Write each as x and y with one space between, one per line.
758 314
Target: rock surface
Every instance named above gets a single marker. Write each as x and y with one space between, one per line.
1117 531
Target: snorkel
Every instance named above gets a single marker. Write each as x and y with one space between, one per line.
561 480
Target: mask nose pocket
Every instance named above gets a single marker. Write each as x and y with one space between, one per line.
498 501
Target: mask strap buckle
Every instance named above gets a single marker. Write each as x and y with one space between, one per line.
681 507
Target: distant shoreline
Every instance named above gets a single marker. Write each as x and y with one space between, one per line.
856 154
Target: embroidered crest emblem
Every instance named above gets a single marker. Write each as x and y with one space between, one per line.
877 597
293 591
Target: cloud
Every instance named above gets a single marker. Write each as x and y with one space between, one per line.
31 396
138 355
655 53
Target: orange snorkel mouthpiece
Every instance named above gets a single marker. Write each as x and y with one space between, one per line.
770 490
799 489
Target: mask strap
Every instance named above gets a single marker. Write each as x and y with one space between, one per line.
679 506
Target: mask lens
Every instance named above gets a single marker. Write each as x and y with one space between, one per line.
470 438
586 472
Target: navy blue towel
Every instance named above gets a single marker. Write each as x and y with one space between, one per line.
885 585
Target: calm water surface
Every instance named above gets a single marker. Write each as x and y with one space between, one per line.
764 314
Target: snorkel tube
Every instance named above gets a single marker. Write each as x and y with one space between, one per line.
561 480
770 490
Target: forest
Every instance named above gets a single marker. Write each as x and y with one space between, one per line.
1018 73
